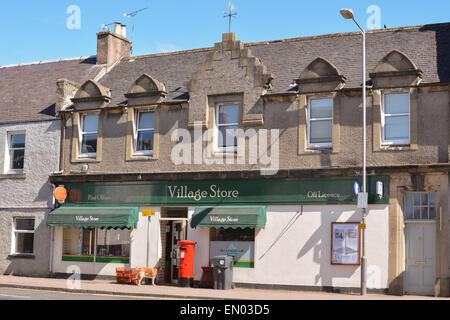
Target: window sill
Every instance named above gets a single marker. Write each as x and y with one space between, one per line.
13 176
142 157
397 147
317 150
224 154
76 258
244 264
21 256
86 160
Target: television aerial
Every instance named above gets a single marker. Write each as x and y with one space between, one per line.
133 15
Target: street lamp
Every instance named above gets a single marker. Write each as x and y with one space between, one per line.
348 14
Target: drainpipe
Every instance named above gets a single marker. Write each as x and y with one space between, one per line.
52 235
52 243
62 142
148 240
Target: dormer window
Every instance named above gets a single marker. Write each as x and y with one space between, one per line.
88 135
396 119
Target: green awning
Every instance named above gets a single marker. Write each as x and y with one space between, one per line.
229 217
102 217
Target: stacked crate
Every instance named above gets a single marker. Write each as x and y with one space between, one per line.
127 276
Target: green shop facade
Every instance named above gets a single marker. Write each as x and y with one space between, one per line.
280 232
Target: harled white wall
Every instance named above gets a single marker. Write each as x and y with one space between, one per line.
294 248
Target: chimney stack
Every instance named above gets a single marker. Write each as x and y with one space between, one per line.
112 46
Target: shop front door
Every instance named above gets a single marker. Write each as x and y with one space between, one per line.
420 258
178 234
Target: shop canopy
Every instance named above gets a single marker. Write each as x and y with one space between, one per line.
102 217
229 217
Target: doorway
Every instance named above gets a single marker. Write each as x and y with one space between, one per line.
420 258
420 242
174 222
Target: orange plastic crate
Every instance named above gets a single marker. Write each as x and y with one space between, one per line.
127 276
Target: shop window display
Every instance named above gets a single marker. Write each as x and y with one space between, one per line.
239 243
96 245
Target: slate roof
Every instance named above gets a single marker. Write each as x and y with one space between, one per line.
28 92
427 46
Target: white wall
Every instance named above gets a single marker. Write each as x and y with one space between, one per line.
294 248
29 196
201 236
41 158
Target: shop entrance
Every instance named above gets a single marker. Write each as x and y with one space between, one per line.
174 222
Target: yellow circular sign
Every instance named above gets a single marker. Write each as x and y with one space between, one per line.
60 194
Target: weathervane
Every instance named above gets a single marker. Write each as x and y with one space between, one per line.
133 15
230 14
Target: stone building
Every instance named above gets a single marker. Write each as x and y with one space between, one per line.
30 136
147 161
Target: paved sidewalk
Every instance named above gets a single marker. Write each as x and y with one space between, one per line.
173 292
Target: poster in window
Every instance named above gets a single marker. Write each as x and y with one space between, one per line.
345 244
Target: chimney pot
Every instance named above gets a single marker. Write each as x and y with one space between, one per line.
118 28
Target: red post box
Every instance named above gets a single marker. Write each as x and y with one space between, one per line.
187 258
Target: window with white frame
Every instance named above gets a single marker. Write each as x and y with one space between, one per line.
320 122
23 236
144 135
88 135
15 155
420 206
227 124
396 119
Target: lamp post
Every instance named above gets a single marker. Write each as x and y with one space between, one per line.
348 14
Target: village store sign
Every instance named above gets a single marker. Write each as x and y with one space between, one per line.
336 190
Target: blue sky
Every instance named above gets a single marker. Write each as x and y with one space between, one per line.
37 30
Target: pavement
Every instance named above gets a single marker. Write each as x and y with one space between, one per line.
109 287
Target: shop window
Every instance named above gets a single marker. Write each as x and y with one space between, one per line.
15 157
79 242
227 124
96 245
88 135
232 234
113 243
396 119
420 206
88 241
23 242
145 133
239 243
320 123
